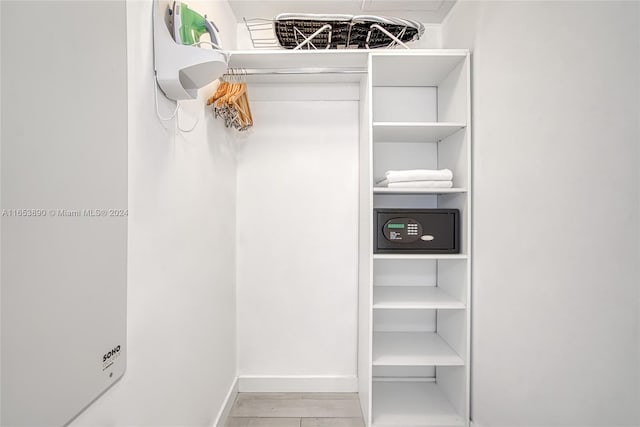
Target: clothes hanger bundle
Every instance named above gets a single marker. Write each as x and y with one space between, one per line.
230 101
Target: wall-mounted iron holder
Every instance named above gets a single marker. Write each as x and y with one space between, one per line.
180 69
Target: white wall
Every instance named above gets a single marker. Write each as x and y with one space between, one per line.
64 148
556 109
181 294
297 240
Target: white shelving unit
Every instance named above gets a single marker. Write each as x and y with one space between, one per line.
418 304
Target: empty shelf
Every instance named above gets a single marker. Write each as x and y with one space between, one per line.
424 69
403 404
413 297
412 349
414 131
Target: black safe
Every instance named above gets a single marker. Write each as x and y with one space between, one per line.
416 231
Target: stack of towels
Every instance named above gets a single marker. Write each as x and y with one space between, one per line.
417 178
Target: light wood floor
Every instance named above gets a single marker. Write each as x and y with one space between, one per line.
296 410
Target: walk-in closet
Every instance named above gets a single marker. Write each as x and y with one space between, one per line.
279 213
358 116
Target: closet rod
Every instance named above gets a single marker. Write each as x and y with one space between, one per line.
265 71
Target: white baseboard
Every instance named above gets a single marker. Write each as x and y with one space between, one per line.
228 404
297 383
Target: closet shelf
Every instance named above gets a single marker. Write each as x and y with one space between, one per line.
419 256
305 59
415 67
403 404
412 349
414 131
413 298
387 190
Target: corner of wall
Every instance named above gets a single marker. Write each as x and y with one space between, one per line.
458 28
431 39
225 409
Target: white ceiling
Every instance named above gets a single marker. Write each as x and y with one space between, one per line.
426 11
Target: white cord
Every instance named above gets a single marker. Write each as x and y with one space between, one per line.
185 130
175 113
155 97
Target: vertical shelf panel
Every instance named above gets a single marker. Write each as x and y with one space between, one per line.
365 262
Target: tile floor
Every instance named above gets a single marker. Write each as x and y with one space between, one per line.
296 410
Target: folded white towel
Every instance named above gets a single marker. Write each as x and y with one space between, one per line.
419 175
416 184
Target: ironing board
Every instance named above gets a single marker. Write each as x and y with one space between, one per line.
337 31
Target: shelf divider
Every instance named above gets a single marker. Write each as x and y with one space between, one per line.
414 131
419 256
413 349
395 190
414 298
